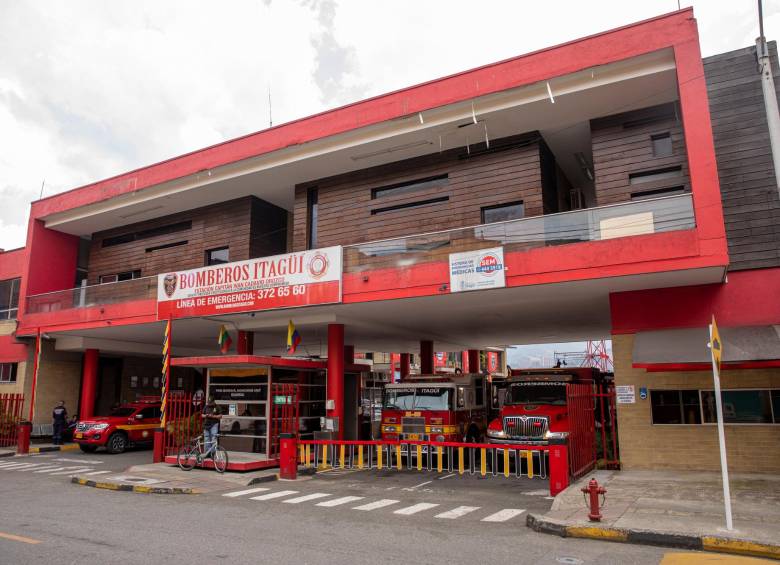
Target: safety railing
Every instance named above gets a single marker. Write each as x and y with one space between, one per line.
10 416
93 295
184 421
654 215
482 459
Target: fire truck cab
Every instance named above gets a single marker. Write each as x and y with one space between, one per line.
435 408
534 405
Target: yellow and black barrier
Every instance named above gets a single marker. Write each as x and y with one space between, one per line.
494 460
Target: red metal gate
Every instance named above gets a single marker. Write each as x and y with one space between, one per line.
582 428
184 421
10 416
284 417
607 432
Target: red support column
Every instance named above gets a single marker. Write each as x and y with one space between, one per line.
335 380
473 361
405 366
426 357
89 384
245 344
349 354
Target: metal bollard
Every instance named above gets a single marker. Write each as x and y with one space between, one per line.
23 432
288 457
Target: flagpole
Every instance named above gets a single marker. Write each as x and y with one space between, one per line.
724 468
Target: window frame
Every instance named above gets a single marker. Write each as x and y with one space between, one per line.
775 417
13 373
659 137
134 274
312 217
681 405
12 311
498 207
208 253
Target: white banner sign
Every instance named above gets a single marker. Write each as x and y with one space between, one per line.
282 281
477 270
625 394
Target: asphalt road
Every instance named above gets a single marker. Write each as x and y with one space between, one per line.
334 517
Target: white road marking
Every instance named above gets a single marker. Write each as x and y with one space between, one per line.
447 476
414 509
31 467
503 515
306 498
55 469
82 461
378 504
457 512
277 494
340 501
96 473
247 491
72 471
417 486
19 465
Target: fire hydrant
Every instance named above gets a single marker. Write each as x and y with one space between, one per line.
594 490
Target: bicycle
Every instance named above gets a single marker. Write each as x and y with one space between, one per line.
193 454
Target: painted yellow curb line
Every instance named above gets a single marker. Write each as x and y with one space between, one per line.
68 447
740 547
590 532
133 488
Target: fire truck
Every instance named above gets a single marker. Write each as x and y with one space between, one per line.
533 406
436 408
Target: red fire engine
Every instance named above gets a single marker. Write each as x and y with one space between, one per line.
533 406
435 408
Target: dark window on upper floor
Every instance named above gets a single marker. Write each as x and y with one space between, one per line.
8 372
675 406
118 277
9 298
312 213
416 204
662 144
218 256
669 191
503 212
82 262
166 246
409 186
655 175
146 234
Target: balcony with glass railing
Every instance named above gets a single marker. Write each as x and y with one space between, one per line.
642 217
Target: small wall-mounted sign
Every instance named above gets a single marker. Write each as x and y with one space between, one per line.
643 393
625 394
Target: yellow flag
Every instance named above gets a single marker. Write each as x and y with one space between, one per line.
716 345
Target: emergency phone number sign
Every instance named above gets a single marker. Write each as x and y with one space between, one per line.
283 281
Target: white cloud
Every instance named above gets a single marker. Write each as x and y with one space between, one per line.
90 88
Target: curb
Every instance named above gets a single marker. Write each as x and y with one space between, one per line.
650 537
47 449
133 488
7 453
266 479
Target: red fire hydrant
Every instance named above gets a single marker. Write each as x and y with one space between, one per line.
594 490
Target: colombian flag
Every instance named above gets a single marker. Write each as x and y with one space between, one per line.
293 338
224 340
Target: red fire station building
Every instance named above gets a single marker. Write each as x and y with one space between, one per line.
614 187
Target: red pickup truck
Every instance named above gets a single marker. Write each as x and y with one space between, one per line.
127 425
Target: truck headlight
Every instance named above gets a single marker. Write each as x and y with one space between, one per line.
498 434
437 430
555 435
99 427
392 429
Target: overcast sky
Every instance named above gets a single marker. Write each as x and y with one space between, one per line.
90 89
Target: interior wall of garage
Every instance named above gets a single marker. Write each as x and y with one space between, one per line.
59 378
643 445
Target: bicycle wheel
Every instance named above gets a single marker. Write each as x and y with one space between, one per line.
188 456
220 458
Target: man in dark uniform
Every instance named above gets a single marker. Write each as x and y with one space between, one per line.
59 418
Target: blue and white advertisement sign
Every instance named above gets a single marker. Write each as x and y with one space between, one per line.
477 270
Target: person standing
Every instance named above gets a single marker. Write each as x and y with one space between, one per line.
59 418
211 417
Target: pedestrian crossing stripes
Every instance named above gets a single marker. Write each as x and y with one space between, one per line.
319 499
52 467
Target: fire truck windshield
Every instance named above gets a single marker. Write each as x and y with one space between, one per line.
537 393
427 398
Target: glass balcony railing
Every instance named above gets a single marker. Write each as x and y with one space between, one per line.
93 295
655 215
606 222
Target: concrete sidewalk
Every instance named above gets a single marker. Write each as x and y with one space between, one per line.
162 478
675 508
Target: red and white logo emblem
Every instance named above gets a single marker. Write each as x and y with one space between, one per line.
169 284
489 265
318 265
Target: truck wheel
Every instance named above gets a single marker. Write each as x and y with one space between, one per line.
117 443
88 448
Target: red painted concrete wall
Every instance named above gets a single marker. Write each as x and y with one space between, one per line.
749 298
12 263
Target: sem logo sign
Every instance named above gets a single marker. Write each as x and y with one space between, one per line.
477 270
489 265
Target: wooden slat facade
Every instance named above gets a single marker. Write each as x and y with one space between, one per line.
248 226
623 146
509 172
751 205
